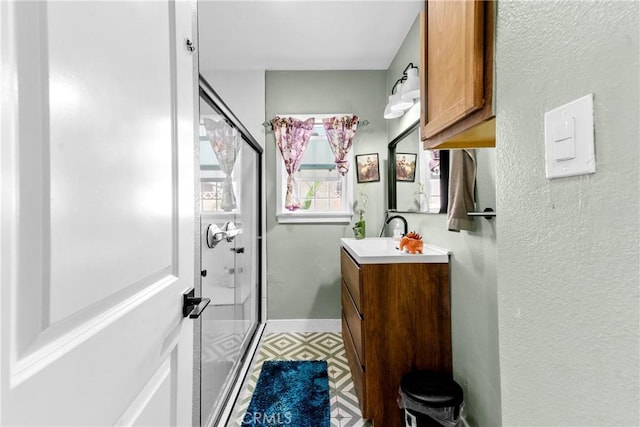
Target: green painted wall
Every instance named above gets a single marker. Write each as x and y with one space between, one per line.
569 270
550 334
409 52
474 309
303 264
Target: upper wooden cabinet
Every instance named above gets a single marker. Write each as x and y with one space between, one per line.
457 43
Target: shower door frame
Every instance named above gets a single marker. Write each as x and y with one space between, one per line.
209 95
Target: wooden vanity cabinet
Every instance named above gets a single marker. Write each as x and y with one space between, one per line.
395 318
457 73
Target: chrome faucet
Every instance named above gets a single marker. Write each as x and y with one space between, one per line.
388 220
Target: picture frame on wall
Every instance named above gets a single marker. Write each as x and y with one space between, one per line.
367 167
406 167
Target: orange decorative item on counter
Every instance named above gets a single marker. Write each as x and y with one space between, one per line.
412 243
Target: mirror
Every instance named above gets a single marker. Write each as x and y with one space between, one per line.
418 179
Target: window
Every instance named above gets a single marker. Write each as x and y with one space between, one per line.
211 176
430 185
325 196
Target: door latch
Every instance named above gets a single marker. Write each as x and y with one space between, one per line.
193 306
190 46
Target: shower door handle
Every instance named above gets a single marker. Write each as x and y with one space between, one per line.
216 234
231 230
193 306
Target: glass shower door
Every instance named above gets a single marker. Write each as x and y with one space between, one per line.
230 262
247 295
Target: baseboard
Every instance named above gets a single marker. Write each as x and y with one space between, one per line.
279 326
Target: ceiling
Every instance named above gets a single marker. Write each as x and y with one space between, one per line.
303 34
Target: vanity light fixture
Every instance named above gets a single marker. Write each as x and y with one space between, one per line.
403 93
396 106
388 113
411 88
399 104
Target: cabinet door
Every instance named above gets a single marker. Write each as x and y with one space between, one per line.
454 62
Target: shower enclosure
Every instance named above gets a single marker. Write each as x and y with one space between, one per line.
230 258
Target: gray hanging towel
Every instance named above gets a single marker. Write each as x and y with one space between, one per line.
462 183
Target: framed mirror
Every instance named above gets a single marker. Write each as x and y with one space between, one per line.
418 179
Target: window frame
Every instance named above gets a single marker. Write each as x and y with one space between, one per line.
284 216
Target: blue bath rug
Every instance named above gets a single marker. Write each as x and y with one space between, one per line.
290 393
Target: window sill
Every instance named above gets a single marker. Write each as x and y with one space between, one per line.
298 217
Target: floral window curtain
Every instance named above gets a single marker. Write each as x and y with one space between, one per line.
292 137
225 142
340 133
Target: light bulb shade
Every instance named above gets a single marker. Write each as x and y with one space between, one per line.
388 114
411 87
396 101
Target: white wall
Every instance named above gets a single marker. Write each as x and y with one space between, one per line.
243 92
568 271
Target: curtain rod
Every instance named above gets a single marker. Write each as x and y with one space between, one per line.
269 125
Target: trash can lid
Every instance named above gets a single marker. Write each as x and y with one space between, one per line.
432 389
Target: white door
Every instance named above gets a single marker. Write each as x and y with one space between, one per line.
96 214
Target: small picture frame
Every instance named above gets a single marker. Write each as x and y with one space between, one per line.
367 168
406 167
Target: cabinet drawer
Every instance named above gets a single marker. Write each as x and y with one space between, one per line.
351 277
354 321
357 373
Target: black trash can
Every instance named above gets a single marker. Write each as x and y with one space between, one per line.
430 399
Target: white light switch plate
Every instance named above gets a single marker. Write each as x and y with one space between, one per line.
569 139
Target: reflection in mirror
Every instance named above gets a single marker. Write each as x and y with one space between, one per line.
220 144
418 178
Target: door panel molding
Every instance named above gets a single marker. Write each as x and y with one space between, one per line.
58 340
154 397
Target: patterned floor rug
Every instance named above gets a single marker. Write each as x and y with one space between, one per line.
345 411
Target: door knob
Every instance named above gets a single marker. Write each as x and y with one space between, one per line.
193 306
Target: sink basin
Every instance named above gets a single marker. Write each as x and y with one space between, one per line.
382 250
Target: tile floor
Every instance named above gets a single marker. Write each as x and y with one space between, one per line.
308 346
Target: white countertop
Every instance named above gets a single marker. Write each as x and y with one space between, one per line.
382 250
